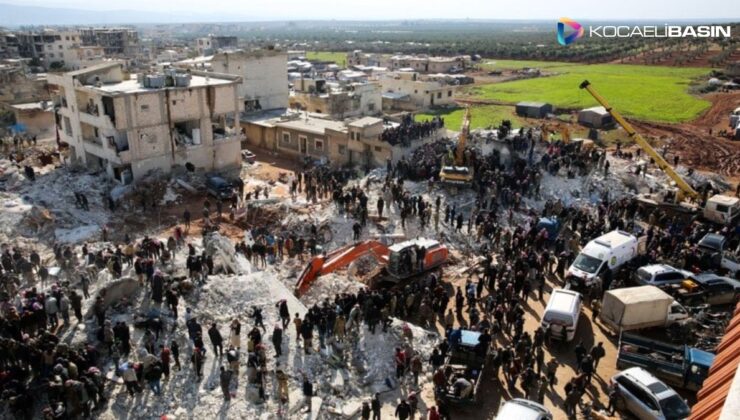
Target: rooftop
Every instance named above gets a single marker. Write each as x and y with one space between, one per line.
133 86
365 121
312 125
719 397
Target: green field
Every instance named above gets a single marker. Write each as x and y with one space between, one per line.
338 57
652 93
482 116
518 64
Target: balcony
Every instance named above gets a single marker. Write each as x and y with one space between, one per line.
93 140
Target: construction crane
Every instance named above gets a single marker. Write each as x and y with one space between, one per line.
684 188
458 173
395 259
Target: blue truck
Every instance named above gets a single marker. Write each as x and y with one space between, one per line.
680 366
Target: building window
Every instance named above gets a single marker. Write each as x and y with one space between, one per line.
61 47
371 107
286 138
67 38
319 145
378 149
449 93
145 108
439 95
252 105
51 55
342 149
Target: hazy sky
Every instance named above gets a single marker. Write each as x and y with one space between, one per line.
421 9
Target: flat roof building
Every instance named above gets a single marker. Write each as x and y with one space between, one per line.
131 125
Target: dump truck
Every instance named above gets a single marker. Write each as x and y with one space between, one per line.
680 366
466 361
634 308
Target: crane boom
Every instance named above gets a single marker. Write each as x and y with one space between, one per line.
644 145
464 132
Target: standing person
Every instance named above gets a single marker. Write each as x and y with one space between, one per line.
297 322
595 309
375 405
225 382
580 351
216 340
198 358
284 313
164 357
154 376
307 392
597 353
403 410
277 340
175 348
365 412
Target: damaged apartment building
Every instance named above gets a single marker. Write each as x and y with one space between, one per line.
129 125
337 99
263 76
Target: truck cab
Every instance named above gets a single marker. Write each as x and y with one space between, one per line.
403 257
722 209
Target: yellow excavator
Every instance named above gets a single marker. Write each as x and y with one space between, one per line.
458 173
719 208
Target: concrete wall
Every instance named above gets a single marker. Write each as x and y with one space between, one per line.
37 122
264 75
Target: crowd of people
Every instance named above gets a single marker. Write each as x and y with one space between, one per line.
39 305
409 130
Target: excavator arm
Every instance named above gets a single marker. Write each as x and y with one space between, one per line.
337 259
685 188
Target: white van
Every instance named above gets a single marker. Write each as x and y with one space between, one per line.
562 312
722 209
608 251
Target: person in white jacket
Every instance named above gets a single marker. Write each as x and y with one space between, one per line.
51 307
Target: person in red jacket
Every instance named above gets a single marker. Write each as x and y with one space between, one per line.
433 414
400 363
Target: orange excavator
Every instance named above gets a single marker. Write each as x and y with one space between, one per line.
400 260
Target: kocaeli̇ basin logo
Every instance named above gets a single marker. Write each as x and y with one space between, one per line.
565 40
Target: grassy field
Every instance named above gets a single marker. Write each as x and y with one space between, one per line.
338 57
651 93
518 64
482 116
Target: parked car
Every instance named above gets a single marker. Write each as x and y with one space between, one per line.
647 397
248 156
659 275
712 243
731 264
521 409
219 188
718 290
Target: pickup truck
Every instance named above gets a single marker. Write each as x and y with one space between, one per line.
705 288
677 365
465 361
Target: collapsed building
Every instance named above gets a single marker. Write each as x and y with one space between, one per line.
128 125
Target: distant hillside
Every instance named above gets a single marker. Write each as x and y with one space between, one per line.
12 15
